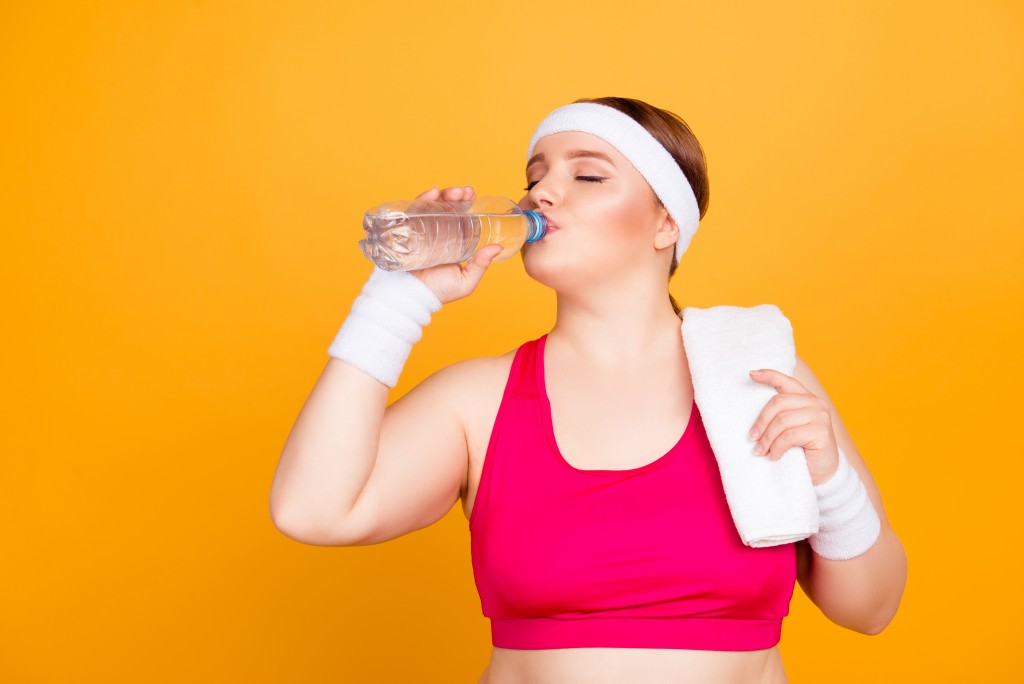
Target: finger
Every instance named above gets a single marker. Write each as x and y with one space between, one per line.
431 194
452 194
476 267
779 380
772 408
783 422
798 435
486 255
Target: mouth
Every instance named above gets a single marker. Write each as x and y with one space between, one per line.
551 225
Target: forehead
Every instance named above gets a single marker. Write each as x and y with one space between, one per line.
562 144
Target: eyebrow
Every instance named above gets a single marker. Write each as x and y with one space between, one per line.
573 154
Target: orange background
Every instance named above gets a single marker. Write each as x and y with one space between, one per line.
181 191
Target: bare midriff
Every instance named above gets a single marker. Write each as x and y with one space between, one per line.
616 665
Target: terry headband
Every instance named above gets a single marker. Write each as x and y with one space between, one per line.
642 150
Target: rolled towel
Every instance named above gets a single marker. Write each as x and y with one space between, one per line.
772 502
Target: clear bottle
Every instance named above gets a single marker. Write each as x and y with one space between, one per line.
408 235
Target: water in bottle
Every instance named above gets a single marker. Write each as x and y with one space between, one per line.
408 235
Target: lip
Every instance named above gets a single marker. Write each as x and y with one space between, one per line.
551 225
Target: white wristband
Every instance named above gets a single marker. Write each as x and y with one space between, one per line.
848 524
387 318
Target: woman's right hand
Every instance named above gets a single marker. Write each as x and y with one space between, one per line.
455 281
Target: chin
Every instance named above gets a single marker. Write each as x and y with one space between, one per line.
540 266
558 271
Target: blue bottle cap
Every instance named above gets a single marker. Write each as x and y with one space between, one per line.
538 226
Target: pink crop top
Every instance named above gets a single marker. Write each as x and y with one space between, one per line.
647 557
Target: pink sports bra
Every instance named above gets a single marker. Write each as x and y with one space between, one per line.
647 557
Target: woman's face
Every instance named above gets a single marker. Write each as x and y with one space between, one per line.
605 215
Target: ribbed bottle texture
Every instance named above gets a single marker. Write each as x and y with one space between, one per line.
409 235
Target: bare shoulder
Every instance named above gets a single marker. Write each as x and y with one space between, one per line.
477 366
477 387
472 384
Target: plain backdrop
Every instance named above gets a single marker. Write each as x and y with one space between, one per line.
181 193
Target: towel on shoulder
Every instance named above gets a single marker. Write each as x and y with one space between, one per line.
771 502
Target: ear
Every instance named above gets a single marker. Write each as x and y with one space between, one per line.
668 232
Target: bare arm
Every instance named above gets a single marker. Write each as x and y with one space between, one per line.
329 454
861 593
354 471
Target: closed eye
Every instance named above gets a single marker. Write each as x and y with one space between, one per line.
587 179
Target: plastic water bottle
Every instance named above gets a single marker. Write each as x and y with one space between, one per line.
408 235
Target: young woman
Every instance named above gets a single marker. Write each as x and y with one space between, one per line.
602 545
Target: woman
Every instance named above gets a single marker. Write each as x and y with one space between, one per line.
602 545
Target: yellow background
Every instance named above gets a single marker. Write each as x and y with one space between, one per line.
181 191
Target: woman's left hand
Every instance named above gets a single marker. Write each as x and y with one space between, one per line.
796 417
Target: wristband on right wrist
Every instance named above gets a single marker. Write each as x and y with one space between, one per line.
848 524
386 319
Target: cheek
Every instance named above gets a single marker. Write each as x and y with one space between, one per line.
622 215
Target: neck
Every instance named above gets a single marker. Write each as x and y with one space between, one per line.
618 325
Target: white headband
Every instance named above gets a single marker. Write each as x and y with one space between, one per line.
642 150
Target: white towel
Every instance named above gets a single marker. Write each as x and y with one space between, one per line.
772 502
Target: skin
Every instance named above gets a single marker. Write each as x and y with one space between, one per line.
355 471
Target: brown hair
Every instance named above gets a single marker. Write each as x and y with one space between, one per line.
675 136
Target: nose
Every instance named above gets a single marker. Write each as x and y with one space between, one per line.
543 193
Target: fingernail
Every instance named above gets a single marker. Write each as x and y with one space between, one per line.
753 433
754 372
